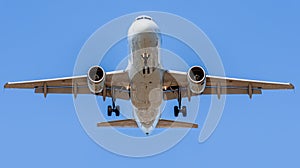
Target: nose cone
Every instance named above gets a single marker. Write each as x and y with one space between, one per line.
147 129
143 25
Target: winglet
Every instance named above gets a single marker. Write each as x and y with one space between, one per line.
292 86
6 85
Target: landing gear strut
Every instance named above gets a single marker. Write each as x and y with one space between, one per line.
113 108
178 109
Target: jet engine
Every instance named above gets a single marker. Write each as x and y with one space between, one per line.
96 79
197 79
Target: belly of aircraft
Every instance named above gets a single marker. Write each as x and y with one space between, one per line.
146 96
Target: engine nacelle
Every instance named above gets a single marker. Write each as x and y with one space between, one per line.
197 79
96 79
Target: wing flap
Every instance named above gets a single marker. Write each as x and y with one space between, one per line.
210 91
119 94
63 90
230 91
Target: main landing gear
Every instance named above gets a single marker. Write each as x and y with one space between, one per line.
113 108
178 109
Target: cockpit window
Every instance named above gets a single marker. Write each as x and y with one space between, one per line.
143 17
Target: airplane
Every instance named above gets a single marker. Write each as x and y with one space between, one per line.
146 84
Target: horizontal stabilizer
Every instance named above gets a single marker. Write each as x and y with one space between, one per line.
175 124
130 123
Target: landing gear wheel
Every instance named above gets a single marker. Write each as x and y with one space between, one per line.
117 110
176 111
183 111
109 110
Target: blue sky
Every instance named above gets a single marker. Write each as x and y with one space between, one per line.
256 40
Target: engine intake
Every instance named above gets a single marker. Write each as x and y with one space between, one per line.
197 79
96 79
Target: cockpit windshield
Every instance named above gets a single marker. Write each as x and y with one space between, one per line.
143 17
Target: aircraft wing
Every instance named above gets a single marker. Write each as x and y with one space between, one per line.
115 81
174 80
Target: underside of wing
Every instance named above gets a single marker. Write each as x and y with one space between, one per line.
174 81
116 83
223 85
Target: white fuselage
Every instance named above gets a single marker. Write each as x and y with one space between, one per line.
144 70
